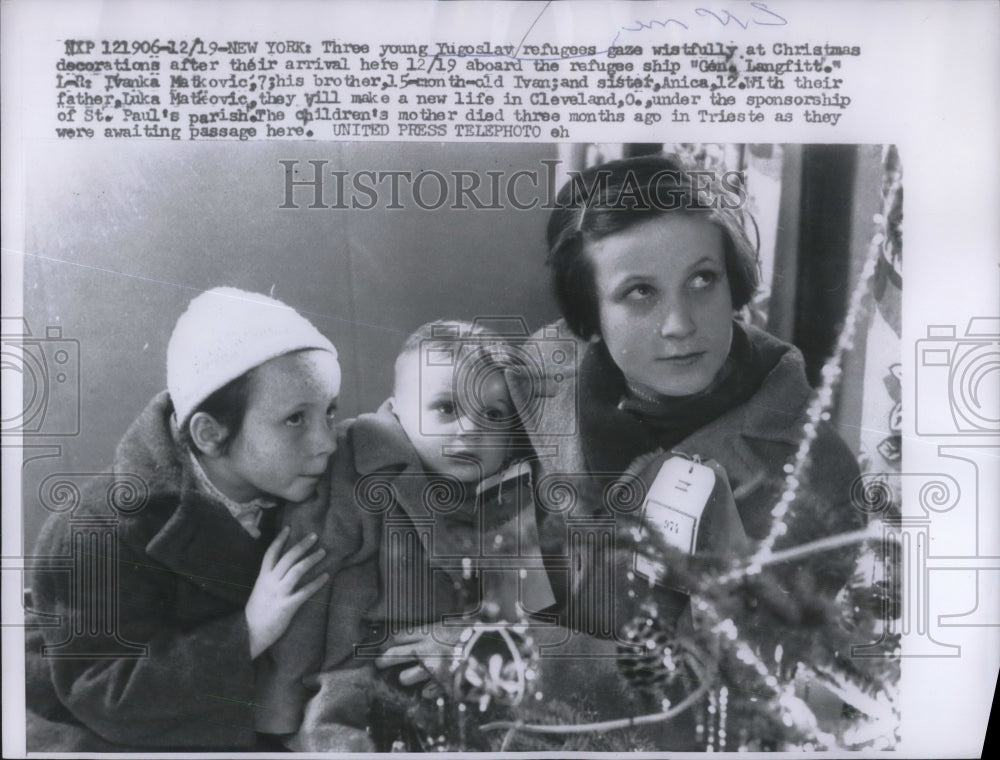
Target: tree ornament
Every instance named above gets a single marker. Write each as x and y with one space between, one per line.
497 664
653 659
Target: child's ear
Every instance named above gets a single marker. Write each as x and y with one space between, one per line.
208 435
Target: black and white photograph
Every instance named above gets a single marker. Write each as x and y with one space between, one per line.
359 404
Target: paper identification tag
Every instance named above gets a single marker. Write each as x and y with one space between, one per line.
673 509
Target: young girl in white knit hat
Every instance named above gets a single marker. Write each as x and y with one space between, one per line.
167 613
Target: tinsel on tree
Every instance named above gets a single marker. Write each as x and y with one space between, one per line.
740 682
769 663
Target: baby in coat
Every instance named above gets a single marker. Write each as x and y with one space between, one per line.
430 522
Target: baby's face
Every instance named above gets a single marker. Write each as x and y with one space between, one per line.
448 426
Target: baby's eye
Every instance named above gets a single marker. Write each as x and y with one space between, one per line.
331 413
445 408
295 420
639 292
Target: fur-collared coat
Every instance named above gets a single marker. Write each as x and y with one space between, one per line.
165 581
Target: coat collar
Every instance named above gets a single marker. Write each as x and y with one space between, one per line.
180 527
770 414
202 541
774 413
379 443
383 451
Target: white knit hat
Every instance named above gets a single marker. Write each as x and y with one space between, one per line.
226 332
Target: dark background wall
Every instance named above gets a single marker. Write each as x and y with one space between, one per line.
119 240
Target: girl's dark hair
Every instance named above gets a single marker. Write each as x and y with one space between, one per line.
612 197
227 406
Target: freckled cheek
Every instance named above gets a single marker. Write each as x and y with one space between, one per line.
256 448
276 452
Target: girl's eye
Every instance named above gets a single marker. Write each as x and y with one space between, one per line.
705 279
331 413
296 419
639 292
445 408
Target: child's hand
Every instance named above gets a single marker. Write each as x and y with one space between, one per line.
274 600
426 656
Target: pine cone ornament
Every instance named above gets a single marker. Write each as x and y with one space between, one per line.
653 659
